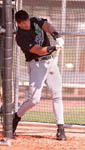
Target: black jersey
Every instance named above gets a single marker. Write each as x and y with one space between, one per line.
27 39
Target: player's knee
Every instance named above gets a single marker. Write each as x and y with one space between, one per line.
57 94
57 99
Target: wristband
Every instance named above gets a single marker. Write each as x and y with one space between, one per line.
50 49
55 35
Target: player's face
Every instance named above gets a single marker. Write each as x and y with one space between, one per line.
25 25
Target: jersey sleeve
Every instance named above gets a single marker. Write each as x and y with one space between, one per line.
39 21
25 44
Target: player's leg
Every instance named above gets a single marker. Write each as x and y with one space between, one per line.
54 83
37 76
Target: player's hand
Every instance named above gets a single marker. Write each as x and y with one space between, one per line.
59 42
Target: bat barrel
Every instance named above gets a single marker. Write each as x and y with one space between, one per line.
72 33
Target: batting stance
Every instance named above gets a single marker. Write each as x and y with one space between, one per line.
33 40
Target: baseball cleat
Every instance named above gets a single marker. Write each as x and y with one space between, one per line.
16 119
60 134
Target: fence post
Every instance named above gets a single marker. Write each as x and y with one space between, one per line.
63 26
7 76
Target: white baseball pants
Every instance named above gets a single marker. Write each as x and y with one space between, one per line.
40 72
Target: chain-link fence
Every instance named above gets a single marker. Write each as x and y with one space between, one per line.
68 18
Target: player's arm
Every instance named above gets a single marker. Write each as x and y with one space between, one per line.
36 49
31 46
47 27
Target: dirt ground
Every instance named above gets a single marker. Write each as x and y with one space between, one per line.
46 143
38 138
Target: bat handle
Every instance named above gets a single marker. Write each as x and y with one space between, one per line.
58 51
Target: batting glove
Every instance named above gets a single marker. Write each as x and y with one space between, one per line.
59 42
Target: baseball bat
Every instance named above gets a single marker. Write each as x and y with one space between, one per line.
75 34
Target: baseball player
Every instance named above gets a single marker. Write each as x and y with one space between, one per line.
32 38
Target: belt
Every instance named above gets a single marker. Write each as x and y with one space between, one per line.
44 58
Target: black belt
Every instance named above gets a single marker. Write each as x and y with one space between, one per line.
44 58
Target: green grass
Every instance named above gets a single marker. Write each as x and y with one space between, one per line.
72 117
39 117
77 110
